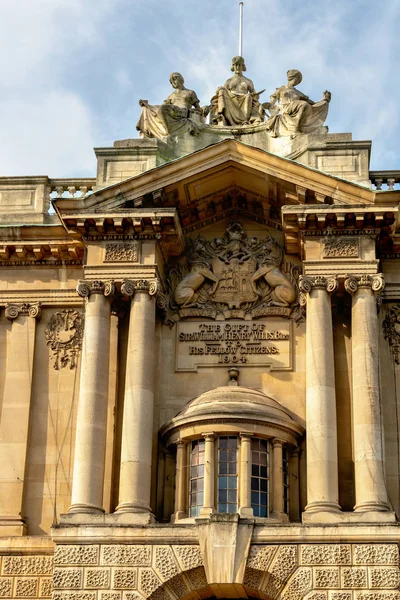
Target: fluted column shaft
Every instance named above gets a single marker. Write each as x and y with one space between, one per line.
137 425
370 487
245 508
322 461
209 475
91 427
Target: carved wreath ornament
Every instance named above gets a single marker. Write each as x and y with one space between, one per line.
64 335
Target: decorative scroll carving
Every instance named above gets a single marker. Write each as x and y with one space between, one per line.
64 335
33 310
86 288
130 287
391 331
375 282
121 252
235 276
340 247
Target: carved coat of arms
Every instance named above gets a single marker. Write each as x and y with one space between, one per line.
234 273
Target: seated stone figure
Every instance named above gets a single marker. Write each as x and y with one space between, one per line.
295 112
174 116
236 102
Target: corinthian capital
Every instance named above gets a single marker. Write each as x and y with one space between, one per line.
353 282
87 288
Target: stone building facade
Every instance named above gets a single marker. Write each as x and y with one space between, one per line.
199 374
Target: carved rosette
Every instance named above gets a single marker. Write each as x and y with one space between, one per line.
64 335
309 282
353 282
86 288
13 311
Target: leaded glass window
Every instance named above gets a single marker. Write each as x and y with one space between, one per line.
260 477
196 498
227 474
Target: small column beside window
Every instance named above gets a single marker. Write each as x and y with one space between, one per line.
180 481
209 475
278 501
245 508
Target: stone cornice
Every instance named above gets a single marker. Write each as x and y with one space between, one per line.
318 220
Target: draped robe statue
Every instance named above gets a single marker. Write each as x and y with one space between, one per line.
173 117
295 112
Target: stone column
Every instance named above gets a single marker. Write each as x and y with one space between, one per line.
370 484
181 478
277 480
15 410
245 509
322 462
137 424
91 425
209 475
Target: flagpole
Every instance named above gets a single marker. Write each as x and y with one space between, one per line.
240 28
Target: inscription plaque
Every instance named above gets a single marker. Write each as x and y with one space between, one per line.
261 343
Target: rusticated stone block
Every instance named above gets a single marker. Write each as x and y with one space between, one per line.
178 585
377 595
76 555
97 577
124 578
161 594
325 554
317 596
354 577
148 581
384 577
281 569
26 587
197 578
189 557
376 554
326 577
252 578
299 584
110 595
164 562
132 596
261 557
124 555
67 577
45 587
27 565
340 595
74 596
5 587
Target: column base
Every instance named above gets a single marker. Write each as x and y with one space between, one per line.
86 509
279 516
206 511
12 525
313 507
180 514
372 506
246 512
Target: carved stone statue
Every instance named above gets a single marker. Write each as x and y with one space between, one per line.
295 113
236 102
174 116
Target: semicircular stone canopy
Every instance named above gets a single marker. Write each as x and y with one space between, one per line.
236 405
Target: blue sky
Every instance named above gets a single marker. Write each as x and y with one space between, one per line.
72 71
